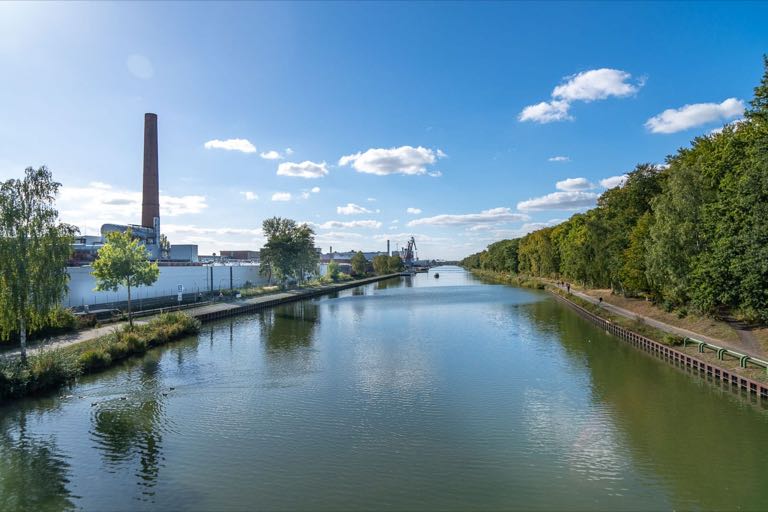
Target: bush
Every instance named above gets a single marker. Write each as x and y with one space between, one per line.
52 369
44 370
671 339
682 313
94 359
86 321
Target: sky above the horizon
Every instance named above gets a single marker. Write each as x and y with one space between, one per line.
457 123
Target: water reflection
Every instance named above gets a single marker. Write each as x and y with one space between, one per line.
289 326
129 429
288 332
663 424
33 471
388 283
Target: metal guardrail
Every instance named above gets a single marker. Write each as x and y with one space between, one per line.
721 352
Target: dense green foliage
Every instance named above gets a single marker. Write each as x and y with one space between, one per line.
50 369
34 249
691 233
359 264
124 261
383 264
289 251
333 271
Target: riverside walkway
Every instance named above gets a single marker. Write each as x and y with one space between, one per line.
204 313
749 347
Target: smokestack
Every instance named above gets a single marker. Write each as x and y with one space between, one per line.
389 253
150 202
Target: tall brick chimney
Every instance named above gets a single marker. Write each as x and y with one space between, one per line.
150 202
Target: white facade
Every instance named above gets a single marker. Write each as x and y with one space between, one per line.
192 278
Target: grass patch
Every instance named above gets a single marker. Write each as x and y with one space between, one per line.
51 369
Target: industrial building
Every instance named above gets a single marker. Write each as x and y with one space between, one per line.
148 232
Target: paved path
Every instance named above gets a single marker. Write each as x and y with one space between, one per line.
69 338
750 346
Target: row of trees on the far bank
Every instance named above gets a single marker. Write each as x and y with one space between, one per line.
693 233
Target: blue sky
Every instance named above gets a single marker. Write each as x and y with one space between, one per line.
385 108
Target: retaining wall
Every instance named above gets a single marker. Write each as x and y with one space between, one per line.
670 354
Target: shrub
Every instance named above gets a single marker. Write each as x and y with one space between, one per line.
682 313
94 359
673 340
85 321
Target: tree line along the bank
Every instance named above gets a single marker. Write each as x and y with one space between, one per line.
690 234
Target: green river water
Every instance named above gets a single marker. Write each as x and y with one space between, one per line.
411 393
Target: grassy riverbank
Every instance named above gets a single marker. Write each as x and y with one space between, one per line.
51 369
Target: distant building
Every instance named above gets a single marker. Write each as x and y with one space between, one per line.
184 252
250 256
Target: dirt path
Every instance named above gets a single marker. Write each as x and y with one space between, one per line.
749 344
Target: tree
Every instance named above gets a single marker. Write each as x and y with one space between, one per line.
395 264
34 250
289 251
124 261
359 263
381 264
759 103
333 270
165 247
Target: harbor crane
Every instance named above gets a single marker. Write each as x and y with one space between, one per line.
409 253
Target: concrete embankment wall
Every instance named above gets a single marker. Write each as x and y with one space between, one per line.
193 278
672 355
224 310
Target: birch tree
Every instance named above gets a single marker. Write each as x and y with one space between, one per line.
34 250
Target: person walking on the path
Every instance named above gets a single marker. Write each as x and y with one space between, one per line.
568 287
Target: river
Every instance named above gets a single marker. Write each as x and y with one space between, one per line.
411 393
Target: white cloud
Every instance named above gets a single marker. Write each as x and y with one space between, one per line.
336 236
435 174
315 190
242 145
352 209
587 86
546 112
288 151
688 116
413 211
304 169
403 160
735 124
571 200
196 230
100 203
421 238
352 224
559 159
494 215
574 184
140 67
250 196
271 155
596 84
614 181
281 196
371 199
